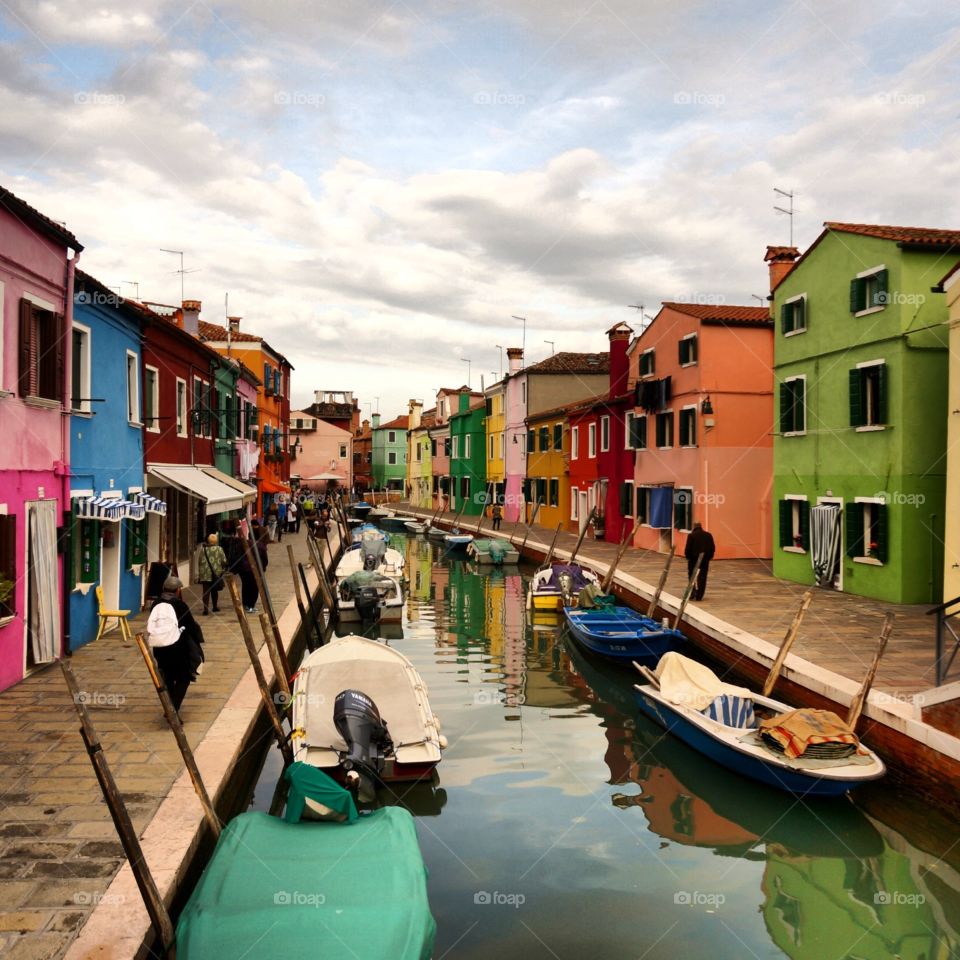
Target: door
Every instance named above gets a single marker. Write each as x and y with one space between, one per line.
826 542
42 622
583 509
110 565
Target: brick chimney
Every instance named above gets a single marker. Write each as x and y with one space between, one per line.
619 336
191 317
414 411
234 323
781 261
515 359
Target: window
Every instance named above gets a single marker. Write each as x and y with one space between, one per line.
503 446
647 363
794 523
369 458
455 447
267 379
532 441
8 564
226 418
433 446
181 408
447 445
489 406
793 315
133 388
391 436
665 429
626 498
592 440
392 458
554 492
688 350
643 504
523 393
792 406
343 452
868 395
544 439
867 533
197 411
541 487
558 436
466 445
80 378
688 427
636 432
491 446
40 370
464 488
253 422
683 508
574 443
151 399
574 503
604 434
868 291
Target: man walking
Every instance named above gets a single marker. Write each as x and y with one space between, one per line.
497 514
699 541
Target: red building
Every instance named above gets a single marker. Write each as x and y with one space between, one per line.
601 456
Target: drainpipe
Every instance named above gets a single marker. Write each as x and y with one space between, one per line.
65 588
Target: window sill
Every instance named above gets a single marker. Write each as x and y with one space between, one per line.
86 414
793 333
794 433
135 423
794 550
870 561
868 311
871 428
42 403
688 446
6 621
692 363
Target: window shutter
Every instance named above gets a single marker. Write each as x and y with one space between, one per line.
626 497
805 524
136 541
785 425
856 399
642 442
531 441
883 532
855 288
26 321
677 512
57 370
785 318
642 505
682 351
880 298
558 436
786 523
89 551
854 521
882 388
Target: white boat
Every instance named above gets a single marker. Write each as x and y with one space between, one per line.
380 512
370 596
455 540
546 586
371 554
343 735
415 527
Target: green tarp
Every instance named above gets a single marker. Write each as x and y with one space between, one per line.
306 781
311 890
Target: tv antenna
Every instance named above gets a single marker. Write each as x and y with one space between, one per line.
553 344
524 319
640 307
181 271
788 211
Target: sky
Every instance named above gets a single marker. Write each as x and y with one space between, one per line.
381 187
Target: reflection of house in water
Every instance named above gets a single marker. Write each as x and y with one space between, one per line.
465 596
419 556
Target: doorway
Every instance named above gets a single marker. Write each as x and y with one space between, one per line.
42 622
826 539
110 565
583 509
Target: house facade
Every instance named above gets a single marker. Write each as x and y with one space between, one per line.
495 397
514 435
321 452
951 532
419 459
390 454
861 361
363 457
448 402
701 427
468 461
548 473
37 264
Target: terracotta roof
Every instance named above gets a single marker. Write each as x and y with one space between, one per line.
217 333
428 420
30 215
399 423
920 236
722 313
463 389
565 362
781 253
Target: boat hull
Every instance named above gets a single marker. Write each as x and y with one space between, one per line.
622 635
389 613
457 542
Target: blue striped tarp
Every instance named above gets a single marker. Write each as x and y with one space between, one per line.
732 711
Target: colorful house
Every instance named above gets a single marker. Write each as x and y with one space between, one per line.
390 454
363 457
108 532
495 396
448 401
247 441
548 482
861 361
601 461
468 460
321 452
337 407
950 284
419 455
701 428
36 309
514 435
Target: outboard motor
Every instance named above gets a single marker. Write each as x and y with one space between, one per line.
367 603
358 721
565 580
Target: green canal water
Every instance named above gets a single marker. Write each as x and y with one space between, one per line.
565 825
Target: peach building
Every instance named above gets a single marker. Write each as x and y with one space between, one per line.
702 427
324 453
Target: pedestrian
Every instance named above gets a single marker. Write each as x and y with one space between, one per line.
497 516
273 515
281 519
293 517
176 640
211 565
699 541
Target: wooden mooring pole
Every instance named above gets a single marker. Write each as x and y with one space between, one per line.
533 520
583 533
553 545
860 700
608 579
788 639
253 559
652 609
691 583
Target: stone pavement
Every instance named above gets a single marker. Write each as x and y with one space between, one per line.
58 847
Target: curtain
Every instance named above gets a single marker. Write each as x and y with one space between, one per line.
824 541
661 507
44 616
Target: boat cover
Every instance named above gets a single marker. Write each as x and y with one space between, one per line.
305 890
376 548
798 730
498 549
307 782
575 571
690 684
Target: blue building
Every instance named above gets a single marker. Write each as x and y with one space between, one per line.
111 405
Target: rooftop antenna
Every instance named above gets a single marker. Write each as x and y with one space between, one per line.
133 283
524 319
786 210
467 362
640 307
553 344
762 300
497 345
181 271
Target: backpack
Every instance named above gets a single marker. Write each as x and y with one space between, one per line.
163 628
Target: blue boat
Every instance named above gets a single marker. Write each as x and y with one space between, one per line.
368 531
621 633
361 508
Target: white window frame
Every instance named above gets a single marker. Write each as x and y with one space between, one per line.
183 406
673 429
789 300
455 447
592 440
871 427
466 445
574 503
794 499
391 436
86 376
691 363
632 509
627 424
575 444
681 444
154 425
605 433
344 452
644 353
503 446
803 432
646 488
870 561
862 275
134 416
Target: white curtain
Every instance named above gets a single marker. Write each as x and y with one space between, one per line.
44 620
824 541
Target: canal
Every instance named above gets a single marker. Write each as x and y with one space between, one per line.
565 825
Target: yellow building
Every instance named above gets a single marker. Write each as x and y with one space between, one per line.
951 539
548 467
496 450
419 459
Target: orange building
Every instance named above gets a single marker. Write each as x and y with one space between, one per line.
273 402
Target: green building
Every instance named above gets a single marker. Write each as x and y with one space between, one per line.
227 406
468 456
389 451
860 363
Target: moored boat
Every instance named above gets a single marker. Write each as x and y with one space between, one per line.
361 508
369 596
546 588
721 721
455 540
371 553
416 527
621 633
368 530
493 550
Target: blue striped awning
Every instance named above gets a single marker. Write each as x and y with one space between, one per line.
150 503
111 509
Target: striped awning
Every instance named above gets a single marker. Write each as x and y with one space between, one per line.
111 509
150 503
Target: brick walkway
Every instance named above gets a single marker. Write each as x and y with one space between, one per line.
58 846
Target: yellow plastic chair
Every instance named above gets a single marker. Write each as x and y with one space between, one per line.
107 615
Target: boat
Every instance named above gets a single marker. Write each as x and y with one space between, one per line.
455 540
416 527
361 508
361 713
261 894
493 550
380 513
621 633
369 596
546 591
396 522
371 554
368 531
435 533
739 730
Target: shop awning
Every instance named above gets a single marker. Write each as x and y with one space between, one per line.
195 482
248 492
150 504
271 486
324 476
111 509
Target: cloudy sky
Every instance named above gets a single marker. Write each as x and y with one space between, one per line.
381 186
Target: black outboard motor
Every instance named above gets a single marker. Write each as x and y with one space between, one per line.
358 721
368 605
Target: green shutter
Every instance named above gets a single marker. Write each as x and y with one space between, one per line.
785 419
854 523
882 388
880 298
136 535
856 286
805 524
89 551
882 531
786 318
786 523
856 398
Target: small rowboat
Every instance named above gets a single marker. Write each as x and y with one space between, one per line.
361 508
621 633
456 540
415 527
546 592
435 533
726 730
368 530
493 551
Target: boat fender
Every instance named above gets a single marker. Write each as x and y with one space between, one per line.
442 741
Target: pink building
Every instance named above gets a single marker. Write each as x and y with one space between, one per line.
514 435
36 314
323 451
702 427
246 445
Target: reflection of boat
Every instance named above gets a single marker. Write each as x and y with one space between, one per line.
546 592
736 744
493 550
423 799
344 734
621 633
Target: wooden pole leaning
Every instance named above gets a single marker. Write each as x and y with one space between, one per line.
583 534
279 669
788 639
319 625
173 719
553 546
253 559
655 599
627 540
156 908
691 583
860 700
265 694
324 577
311 621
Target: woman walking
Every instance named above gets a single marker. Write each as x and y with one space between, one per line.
211 565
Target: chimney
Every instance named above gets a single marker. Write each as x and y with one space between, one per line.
414 411
619 336
514 359
365 426
191 317
781 261
234 325
376 420
318 396
464 404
